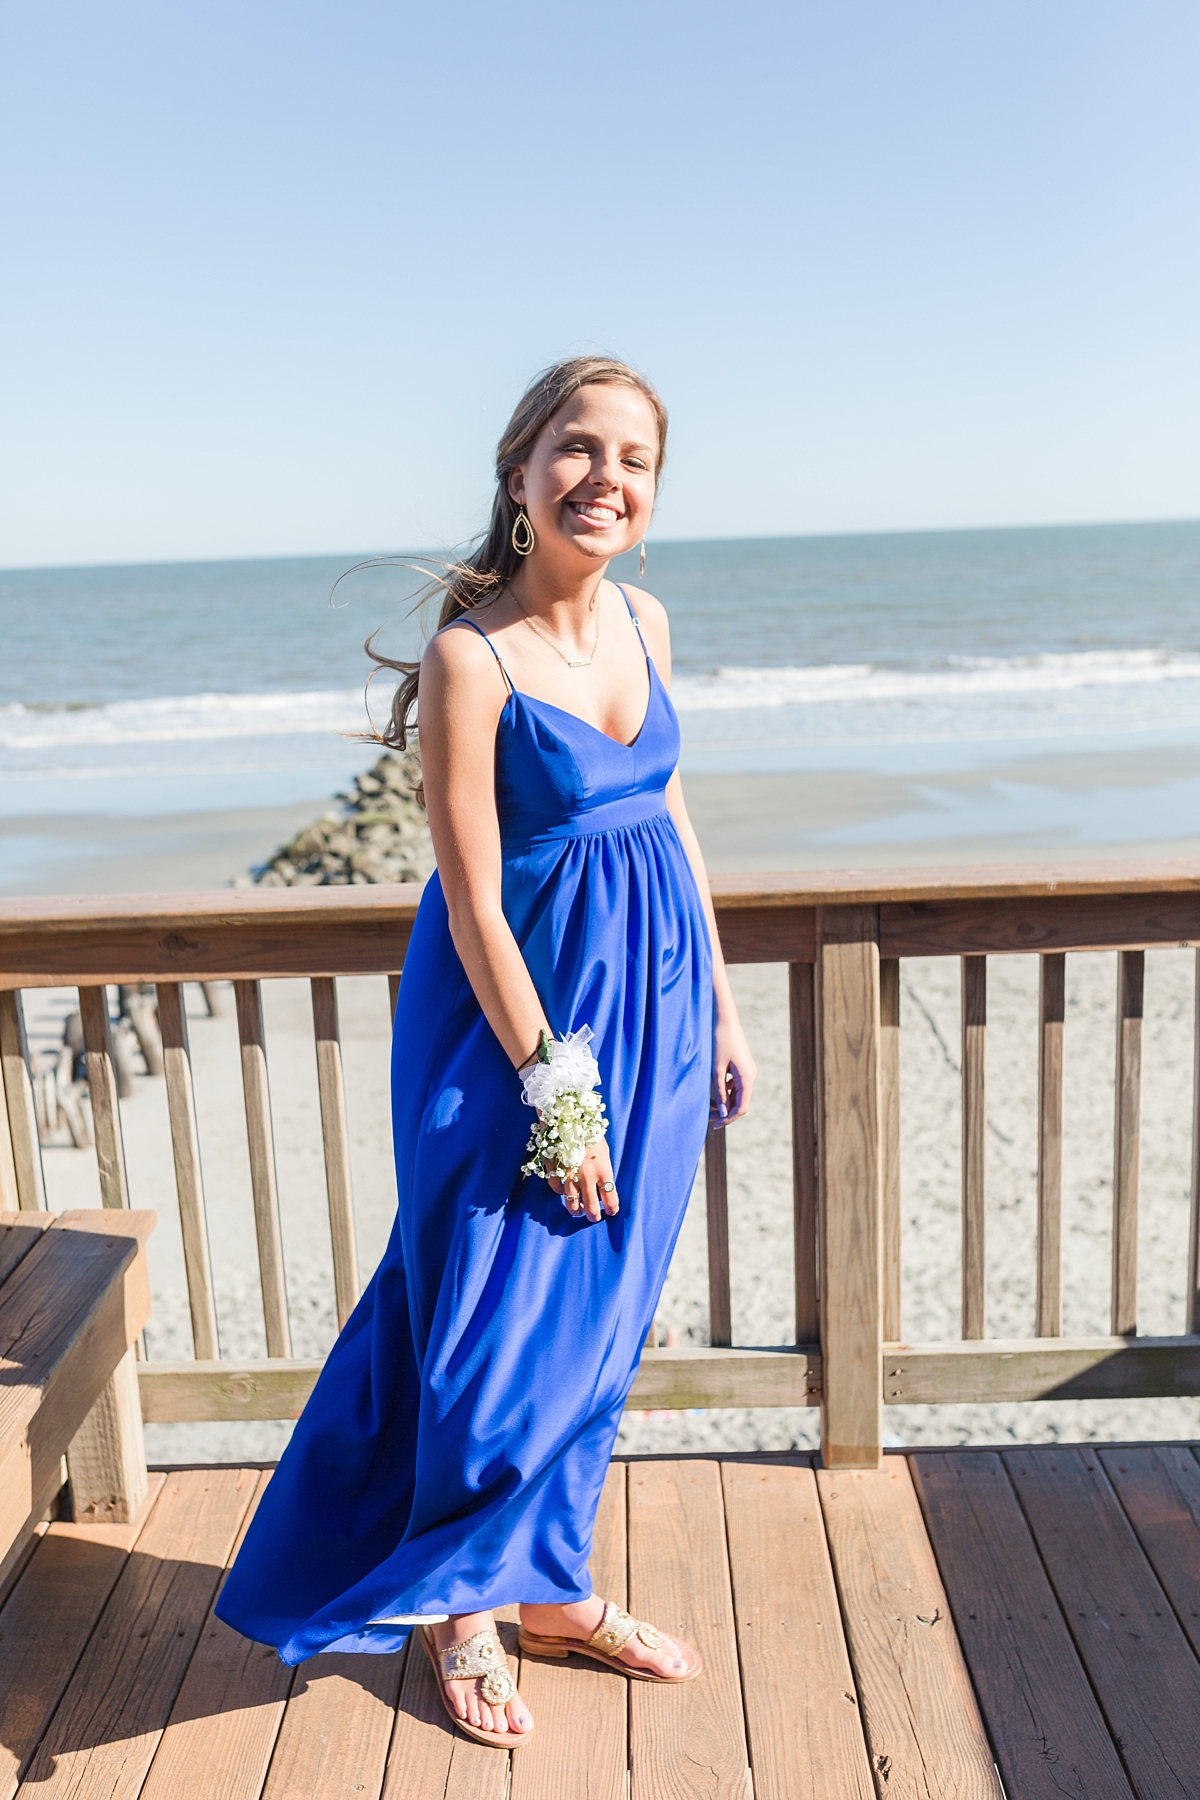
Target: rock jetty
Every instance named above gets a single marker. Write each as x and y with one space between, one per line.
381 834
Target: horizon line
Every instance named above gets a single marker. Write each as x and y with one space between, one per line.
780 537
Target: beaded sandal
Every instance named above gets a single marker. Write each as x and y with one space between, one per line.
481 1656
607 1642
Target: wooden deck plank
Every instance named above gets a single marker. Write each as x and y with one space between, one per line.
218 1741
337 1725
1159 1487
802 1719
45 1626
1046 1729
105 1732
1140 1663
19 1232
924 1734
580 1710
690 1741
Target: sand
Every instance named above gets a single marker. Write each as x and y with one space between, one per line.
760 1197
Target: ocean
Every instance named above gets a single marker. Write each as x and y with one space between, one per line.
198 687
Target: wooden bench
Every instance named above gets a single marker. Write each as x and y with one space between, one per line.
74 1295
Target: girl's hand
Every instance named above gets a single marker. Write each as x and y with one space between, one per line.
585 1193
733 1073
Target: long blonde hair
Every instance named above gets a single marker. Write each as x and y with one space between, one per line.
475 578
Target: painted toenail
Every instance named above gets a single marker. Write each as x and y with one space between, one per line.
678 1663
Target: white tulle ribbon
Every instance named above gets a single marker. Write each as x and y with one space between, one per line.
570 1111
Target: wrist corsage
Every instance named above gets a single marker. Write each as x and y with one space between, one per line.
562 1086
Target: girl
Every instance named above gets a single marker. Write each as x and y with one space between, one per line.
564 957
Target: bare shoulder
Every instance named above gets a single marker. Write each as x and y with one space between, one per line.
656 627
458 658
649 610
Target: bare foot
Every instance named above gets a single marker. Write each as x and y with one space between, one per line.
466 1697
580 1618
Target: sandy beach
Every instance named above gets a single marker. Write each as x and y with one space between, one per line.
744 822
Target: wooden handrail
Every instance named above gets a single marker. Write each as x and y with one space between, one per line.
844 935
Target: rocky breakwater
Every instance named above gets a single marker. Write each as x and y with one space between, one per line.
381 834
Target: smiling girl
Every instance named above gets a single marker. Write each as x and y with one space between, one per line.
564 1029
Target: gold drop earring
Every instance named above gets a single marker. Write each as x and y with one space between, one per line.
522 538
642 561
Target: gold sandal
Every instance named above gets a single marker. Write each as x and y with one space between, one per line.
482 1655
606 1643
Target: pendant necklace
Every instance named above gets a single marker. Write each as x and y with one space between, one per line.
581 662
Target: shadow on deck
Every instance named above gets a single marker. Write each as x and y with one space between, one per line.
890 1634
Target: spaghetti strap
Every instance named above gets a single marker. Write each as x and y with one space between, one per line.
487 640
637 623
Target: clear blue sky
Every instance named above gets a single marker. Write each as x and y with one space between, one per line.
275 271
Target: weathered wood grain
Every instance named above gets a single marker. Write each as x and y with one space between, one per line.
1044 1724
19 1232
189 1179
10 1194
20 1114
1127 1127
802 1021
260 1138
924 1734
45 1624
889 1127
802 1718
674 1380
107 1727
337 1725
580 1710
68 1314
762 918
974 1148
1159 1487
218 1741
102 1091
689 1741
335 1136
1139 1662
1041 1369
106 1459
1051 1016
716 1213
752 934
850 1185
1051 923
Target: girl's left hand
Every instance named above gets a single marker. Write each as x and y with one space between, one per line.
733 1074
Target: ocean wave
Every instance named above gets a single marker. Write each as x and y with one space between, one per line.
748 689
180 719
196 717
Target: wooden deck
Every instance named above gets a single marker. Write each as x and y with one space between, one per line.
866 1634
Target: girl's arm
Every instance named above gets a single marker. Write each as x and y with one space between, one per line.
462 696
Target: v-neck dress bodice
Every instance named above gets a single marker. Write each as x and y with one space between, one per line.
452 1453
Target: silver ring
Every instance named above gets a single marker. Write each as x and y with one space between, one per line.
608 1187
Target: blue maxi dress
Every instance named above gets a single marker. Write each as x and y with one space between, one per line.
451 1455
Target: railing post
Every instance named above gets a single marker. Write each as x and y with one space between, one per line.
802 1011
16 1095
851 1185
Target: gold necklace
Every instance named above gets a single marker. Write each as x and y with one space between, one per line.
582 662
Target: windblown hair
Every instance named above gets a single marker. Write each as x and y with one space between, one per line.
480 576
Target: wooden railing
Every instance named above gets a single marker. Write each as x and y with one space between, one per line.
843 937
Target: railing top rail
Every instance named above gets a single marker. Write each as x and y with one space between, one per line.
397 902
995 881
